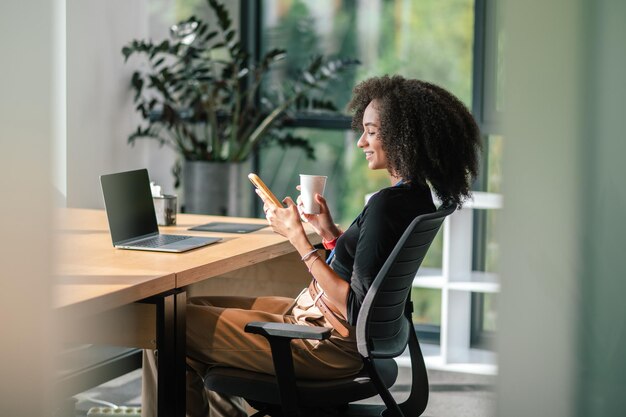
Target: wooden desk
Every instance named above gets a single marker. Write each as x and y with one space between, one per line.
133 297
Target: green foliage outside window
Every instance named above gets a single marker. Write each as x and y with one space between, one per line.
426 306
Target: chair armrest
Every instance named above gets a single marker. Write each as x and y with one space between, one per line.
279 336
290 331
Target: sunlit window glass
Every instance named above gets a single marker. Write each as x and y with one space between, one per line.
427 39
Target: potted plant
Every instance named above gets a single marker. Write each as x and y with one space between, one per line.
200 94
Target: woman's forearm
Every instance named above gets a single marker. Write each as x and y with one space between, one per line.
335 288
331 232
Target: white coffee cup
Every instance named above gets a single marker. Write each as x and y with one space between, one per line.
309 186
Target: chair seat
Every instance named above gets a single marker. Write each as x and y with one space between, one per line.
263 388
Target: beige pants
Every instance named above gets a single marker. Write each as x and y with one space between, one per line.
215 336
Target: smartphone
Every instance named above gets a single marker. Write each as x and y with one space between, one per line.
260 185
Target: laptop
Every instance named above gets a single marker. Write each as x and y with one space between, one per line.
132 220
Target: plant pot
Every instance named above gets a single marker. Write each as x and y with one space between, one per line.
220 188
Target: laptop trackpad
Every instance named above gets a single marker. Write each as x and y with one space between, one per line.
190 243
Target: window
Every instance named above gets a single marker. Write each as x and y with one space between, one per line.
427 39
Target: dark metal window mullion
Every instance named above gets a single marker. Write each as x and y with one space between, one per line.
251 33
478 109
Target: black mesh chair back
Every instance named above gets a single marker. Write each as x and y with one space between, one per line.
384 325
382 330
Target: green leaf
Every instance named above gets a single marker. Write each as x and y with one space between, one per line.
163 46
315 64
210 36
202 28
142 109
235 51
126 51
271 57
275 54
175 49
223 17
137 83
160 86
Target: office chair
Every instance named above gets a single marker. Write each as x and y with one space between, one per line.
383 330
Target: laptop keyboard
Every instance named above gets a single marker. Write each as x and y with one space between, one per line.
160 240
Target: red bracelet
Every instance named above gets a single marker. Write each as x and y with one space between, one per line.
330 244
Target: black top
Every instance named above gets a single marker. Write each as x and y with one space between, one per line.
362 250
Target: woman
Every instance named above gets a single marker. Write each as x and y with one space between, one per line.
421 135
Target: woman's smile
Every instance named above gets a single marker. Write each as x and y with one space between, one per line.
370 141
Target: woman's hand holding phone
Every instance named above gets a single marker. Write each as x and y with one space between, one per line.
264 189
283 220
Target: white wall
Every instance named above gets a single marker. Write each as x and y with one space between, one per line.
100 112
26 106
59 116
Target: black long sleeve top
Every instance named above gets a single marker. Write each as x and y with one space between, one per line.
363 248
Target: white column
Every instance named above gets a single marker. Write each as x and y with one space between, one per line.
26 102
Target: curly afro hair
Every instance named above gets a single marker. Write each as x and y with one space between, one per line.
426 132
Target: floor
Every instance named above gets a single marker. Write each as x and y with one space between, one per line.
451 395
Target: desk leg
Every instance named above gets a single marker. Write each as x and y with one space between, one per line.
171 345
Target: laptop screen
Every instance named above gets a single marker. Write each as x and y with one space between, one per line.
129 205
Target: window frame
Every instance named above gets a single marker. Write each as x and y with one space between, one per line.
488 118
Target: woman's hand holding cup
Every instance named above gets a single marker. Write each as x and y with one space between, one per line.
322 222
